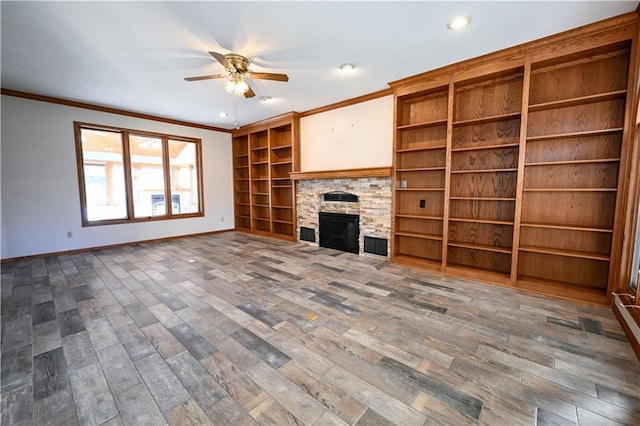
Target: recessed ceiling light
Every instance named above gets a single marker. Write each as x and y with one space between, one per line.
224 114
347 67
458 22
265 98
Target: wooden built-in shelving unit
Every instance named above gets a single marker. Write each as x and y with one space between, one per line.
509 168
264 156
241 197
420 163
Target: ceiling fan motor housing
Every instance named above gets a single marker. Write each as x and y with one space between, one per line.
239 62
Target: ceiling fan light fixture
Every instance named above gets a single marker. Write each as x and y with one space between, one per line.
236 85
266 99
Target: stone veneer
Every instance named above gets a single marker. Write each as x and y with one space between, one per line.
373 206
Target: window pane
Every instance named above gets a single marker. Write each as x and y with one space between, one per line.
103 173
147 176
184 176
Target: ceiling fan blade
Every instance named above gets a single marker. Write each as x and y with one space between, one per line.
223 61
268 76
249 93
205 77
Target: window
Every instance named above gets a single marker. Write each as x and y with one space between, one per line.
128 175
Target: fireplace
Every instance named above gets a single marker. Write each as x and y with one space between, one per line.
368 198
340 231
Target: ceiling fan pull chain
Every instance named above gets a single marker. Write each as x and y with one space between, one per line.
236 115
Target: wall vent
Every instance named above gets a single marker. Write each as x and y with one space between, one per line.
375 245
307 234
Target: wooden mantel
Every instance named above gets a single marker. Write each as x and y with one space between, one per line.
343 174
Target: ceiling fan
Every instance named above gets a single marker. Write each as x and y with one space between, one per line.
237 69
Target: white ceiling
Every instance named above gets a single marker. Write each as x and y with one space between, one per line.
134 55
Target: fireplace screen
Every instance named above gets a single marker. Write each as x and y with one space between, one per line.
340 231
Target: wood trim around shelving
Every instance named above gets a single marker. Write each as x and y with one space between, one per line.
348 102
343 174
110 110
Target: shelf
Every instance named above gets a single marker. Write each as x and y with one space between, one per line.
282 207
419 189
242 190
478 148
282 186
259 148
417 261
483 198
477 273
483 171
566 227
422 125
286 222
563 290
256 163
429 148
488 221
421 169
417 216
287 178
418 235
241 167
282 163
260 193
243 217
490 119
260 205
242 204
260 179
475 246
566 253
274 148
570 189
575 134
241 156
563 162
241 179
262 219
564 103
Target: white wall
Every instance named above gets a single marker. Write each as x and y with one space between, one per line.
353 137
40 195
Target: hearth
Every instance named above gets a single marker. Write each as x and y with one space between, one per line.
340 231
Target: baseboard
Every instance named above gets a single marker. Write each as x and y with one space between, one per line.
110 246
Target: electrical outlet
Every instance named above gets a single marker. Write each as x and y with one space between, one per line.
69 234
222 219
422 204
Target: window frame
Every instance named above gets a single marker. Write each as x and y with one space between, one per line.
126 164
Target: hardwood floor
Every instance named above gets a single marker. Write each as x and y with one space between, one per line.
238 329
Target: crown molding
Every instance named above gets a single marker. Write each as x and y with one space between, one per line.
84 105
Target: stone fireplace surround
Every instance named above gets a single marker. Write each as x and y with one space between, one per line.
373 206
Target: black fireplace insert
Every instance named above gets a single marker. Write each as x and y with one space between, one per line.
340 231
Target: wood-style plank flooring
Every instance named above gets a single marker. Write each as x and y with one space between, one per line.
237 329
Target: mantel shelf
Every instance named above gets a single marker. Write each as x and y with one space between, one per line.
343 174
